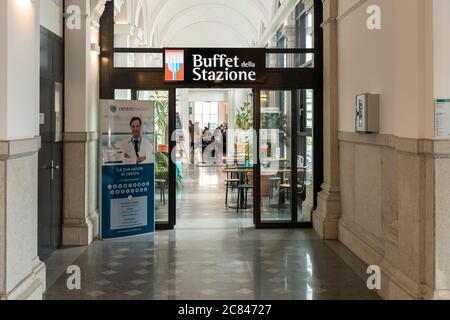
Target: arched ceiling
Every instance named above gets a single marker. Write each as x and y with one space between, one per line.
208 23
234 16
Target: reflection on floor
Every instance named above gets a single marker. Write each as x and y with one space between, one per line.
201 201
215 253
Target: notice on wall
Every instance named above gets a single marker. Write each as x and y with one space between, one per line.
442 118
128 168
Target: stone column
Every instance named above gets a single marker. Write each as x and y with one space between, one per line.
326 216
439 229
289 33
80 225
22 274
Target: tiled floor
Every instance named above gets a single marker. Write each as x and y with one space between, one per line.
213 254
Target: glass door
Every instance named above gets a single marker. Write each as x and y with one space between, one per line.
284 170
163 168
160 98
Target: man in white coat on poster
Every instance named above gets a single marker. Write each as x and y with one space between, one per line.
137 149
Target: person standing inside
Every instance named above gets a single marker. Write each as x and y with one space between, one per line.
224 139
192 140
198 139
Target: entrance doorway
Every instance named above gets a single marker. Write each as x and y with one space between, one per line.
215 156
239 157
244 157
286 171
286 147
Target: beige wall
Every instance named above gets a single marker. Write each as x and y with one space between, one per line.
441 45
393 62
51 16
393 184
19 31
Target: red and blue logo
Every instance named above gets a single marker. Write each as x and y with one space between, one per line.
174 65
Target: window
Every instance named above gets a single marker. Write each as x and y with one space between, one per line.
304 31
207 114
309 109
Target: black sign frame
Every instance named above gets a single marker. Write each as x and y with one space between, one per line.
248 60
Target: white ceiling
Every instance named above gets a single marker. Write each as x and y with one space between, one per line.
196 23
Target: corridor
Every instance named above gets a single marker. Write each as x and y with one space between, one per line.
215 253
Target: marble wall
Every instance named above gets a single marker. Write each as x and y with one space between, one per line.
22 275
80 226
389 210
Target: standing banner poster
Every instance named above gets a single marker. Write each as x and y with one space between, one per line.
128 168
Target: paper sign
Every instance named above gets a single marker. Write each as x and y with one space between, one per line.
442 118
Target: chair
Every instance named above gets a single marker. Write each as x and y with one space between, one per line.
286 186
246 187
273 184
243 187
230 183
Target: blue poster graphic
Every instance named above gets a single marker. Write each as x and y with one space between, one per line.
128 168
128 200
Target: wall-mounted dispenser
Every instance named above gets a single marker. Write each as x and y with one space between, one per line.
368 113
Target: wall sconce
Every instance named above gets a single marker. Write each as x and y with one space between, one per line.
95 47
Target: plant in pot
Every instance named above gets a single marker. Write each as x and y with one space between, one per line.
244 121
276 121
272 121
162 169
161 119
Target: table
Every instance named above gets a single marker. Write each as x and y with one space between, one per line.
279 178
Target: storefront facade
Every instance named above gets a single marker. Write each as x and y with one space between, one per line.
383 195
288 77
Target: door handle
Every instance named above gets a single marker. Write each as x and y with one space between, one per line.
52 167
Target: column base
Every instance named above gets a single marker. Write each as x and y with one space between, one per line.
81 233
32 287
441 295
326 216
308 204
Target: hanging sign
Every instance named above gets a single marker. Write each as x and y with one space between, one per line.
128 168
442 118
215 65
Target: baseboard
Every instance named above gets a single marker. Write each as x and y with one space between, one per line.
32 287
81 234
395 284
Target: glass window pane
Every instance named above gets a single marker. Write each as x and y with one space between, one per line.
305 187
138 60
275 155
298 31
122 94
290 60
214 108
161 100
